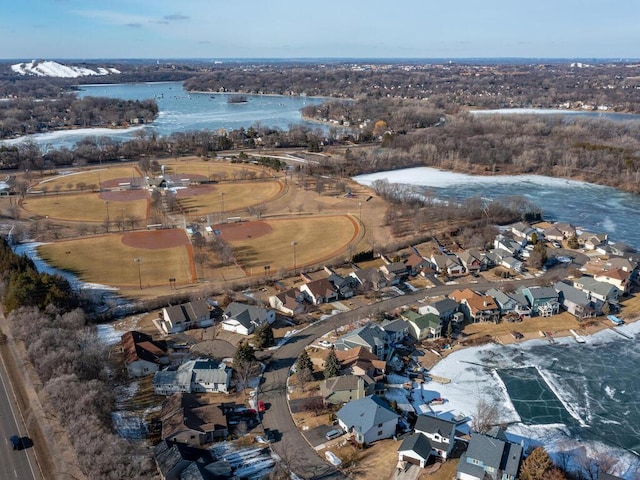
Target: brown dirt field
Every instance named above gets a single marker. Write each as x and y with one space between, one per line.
91 176
232 232
124 195
156 239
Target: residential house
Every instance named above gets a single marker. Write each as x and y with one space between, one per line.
447 264
525 231
244 319
542 300
193 376
320 291
424 326
289 302
394 272
475 306
445 309
369 419
176 460
503 242
592 241
361 362
440 432
415 449
617 277
597 291
344 286
396 329
512 263
489 458
186 419
575 301
178 318
628 264
369 278
511 302
554 234
345 388
473 261
417 264
567 229
142 354
370 336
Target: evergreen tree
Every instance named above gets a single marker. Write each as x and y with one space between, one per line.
304 362
331 365
264 336
244 354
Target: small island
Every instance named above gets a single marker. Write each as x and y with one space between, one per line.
237 99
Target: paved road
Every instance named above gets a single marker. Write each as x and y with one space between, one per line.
293 447
13 464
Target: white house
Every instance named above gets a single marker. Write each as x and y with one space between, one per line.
244 319
194 376
415 449
178 318
440 432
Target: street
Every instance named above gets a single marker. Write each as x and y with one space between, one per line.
13 463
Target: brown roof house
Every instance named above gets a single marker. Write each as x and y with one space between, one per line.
320 291
289 302
360 361
143 355
476 307
186 419
178 318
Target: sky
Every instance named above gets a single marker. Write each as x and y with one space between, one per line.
85 29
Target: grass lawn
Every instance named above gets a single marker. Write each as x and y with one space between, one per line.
317 238
106 260
94 176
377 461
213 169
83 207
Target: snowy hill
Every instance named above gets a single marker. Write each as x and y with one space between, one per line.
54 69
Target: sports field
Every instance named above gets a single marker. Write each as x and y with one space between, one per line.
88 207
316 238
110 259
95 176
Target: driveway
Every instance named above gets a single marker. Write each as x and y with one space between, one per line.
316 436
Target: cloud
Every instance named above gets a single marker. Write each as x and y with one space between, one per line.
134 25
176 16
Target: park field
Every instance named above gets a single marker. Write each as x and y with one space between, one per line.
84 207
215 170
318 238
107 260
236 196
89 177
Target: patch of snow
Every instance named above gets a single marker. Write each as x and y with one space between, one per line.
49 68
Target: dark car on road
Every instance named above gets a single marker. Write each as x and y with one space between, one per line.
16 442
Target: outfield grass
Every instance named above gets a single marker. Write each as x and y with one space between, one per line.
238 196
83 207
106 260
317 239
94 176
213 169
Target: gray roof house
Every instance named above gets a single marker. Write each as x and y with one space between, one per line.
489 458
502 242
595 290
244 319
345 388
194 376
445 308
524 230
415 449
369 278
371 336
369 419
575 301
440 432
542 300
396 329
511 302
178 318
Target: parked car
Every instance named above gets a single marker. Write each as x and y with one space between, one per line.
261 406
324 343
331 434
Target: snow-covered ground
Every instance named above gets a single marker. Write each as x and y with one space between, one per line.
78 133
49 68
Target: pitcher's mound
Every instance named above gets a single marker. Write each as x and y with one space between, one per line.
156 239
242 231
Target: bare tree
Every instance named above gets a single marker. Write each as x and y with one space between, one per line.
486 416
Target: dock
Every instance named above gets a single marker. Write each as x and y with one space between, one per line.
621 333
579 338
441 380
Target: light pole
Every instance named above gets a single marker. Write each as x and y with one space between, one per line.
360 212
293 244
138 260
222 200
